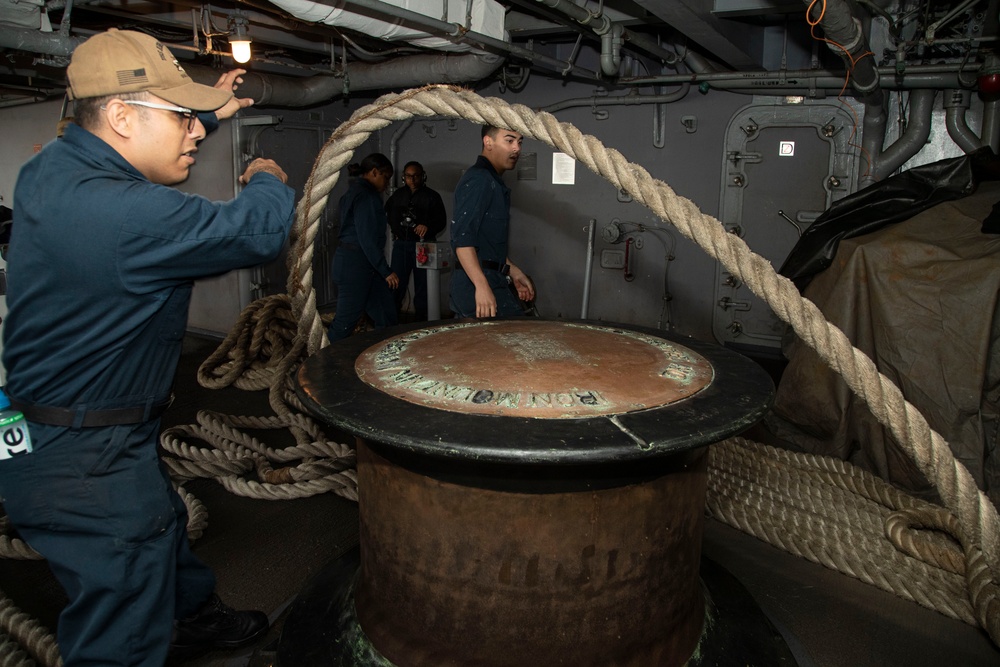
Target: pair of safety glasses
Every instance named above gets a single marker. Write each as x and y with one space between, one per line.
187 115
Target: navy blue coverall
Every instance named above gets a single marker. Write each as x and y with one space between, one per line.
359 267
101 265
482 220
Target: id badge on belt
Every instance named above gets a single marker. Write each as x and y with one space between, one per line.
14 437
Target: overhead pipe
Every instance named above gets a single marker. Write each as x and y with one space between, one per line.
399 73
611 45
285 91
64 22
698 63
660 115
847 38
618 100
375 24
926 75
458 32
956 104
612 35
872 138
30 39
841 27
918 129
53 45
770 85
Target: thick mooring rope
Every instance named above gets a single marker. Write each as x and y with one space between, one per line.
932 454
259 353
819 508
837 515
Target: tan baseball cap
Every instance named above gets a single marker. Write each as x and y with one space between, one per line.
125 61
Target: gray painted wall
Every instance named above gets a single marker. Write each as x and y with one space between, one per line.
549 221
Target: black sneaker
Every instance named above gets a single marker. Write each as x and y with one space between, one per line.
216 626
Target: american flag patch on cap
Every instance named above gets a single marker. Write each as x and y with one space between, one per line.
128 77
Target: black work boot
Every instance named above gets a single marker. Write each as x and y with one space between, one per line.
216 626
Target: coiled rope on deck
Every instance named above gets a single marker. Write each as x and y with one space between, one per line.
837 515
259 353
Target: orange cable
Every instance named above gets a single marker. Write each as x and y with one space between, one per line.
847 78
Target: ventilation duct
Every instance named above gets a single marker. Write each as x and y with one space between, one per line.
485 17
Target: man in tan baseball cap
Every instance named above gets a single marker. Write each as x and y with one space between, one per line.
124 61
102 258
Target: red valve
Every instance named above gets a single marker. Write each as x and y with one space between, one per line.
989 86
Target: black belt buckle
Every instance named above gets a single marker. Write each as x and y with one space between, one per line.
495 266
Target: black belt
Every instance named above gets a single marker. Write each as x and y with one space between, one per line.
495 266
349 246
80 418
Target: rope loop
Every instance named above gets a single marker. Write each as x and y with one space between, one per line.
931 453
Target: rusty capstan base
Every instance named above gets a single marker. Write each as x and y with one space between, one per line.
530 491
322 628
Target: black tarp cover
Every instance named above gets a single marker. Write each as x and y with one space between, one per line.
921 299
895 199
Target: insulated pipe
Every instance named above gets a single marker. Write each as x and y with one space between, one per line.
29 39
848 40
399 73
282 91
956 103
64 22
840 26
697 63
872 138
917 131
459 33
395 30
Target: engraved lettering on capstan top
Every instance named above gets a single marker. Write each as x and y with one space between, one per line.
510 399
678 372
507 399
428 375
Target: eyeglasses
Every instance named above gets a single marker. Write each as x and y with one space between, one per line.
186 114
409 176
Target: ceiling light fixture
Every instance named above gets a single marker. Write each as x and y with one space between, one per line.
239 37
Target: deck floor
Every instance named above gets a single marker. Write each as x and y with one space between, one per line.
265 552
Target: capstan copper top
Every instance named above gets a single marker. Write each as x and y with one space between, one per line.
544 370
